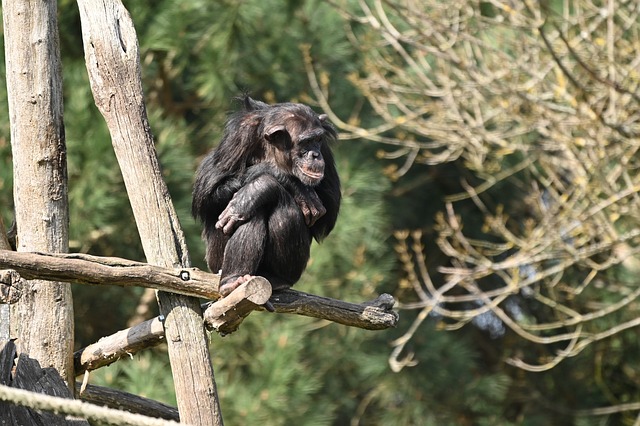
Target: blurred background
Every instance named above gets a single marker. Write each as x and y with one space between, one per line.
488 158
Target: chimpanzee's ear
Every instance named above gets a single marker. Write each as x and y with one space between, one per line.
251 104
323 118
279 137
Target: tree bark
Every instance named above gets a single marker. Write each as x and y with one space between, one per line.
112 57
225 317
5 311
124 401
34 88
82 268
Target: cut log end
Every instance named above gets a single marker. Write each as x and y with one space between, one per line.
226 314
11 284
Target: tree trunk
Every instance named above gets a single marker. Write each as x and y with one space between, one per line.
113 62
34 87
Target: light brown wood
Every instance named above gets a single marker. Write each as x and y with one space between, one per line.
34 88
377 314
121 344
86 269
113 62
226 314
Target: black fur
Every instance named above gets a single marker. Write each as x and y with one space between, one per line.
266 191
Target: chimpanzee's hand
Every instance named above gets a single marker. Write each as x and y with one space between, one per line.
230 219
310 205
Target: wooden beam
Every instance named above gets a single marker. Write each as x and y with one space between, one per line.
35 98
226 314
113 63
96 270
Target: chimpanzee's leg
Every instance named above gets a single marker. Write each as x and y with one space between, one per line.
287 245
243 253
216 241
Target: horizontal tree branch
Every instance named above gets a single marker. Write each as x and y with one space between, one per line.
123 343
225 318
86 269
373 315
120 400
224 315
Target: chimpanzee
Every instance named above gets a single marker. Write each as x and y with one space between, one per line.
265 192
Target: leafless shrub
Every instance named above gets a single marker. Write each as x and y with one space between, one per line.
546 100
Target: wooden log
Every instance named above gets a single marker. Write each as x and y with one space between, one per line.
11 286
373 315
7 358
96 270
226 314
85 269
123 343
113 63
223 316
35 98
120 400
29 375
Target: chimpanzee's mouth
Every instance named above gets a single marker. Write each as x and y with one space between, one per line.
313 174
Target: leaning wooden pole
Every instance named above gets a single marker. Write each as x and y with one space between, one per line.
43 318
113 62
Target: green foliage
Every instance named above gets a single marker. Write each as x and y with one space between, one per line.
355 255
267 379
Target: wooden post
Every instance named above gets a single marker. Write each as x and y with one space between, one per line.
43 318
113 62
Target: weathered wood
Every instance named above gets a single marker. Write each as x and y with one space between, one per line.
31 376
113 62
96 270
7 357
80 268
7 294
226 314
4 240
34 89
223 316
28 375
11 286
374 315
121 344
120 400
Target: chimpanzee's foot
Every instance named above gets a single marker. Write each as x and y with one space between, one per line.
231 283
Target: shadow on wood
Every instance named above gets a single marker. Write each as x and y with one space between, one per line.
126 401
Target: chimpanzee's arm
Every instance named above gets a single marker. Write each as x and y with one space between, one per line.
305 196
254 195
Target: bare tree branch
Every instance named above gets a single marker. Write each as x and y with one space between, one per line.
541 111
86 269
